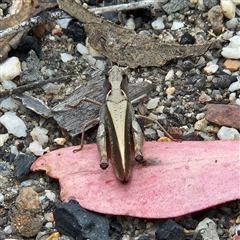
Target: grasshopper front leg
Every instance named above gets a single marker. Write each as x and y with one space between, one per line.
95 120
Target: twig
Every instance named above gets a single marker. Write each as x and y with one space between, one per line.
42 18
30 86
128 6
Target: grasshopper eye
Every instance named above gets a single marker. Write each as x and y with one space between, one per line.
123 74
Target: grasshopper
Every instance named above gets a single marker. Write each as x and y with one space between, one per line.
118 127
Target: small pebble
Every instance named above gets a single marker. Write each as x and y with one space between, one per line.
227 133
65 57
212 129
231 24
201 125
36 148
232 65
170 90
40 135
177 25
234 86
228 8
152 103
211 68
100 65
14 124
200 116
204 98
9 104
10 69
130 24
82 49
51 88
233 49
8 229
8 84
158 24
3 138
63 23
60 141
170 75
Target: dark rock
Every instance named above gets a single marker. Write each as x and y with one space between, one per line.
111 16
186 65
75 31
192 137
188 223
73 220
170 230
22 165
175 5
187 38
116 226
222 81
27 44
144 237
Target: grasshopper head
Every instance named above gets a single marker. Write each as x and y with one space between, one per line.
115 76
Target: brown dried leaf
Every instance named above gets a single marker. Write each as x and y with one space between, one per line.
124 46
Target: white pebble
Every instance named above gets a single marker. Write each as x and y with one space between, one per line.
152 103
10 69
63 22
100 65
14 150
51 88
179 73
237 101
130 24
7 84
36 148
231 24
170 75
9 104
66 57
14 124
233 49
228 8
50 195
8 229
210 69
227 133
48 225
232 97
158 24
82 49
1 198
3 138
234 86
177 25
200 116
39 134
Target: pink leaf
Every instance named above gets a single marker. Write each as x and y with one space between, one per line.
186 177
